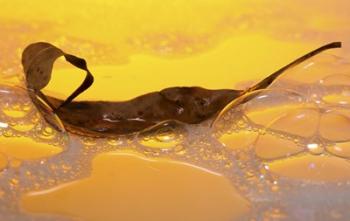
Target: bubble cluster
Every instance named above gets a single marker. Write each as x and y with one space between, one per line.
19 117
285 148
298 139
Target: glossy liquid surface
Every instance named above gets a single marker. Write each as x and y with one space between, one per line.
264 165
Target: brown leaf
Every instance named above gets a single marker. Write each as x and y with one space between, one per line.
38 60
189 105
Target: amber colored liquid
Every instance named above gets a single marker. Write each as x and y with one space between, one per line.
135 47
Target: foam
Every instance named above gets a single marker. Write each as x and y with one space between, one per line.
250 168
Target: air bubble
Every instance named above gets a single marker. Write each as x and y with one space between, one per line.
238 140
14 111
336 89
163 136
89 143
267 113
269 147
311 71
47 133
302 122
341 149
114 142
334 126
259 108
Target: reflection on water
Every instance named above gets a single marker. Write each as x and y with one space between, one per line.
284 155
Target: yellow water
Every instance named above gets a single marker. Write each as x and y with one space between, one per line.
124 181
134 47
26 149
223 67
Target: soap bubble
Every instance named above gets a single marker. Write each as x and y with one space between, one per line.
167 136
257 109
314 77
311 71
287 123
340 149
336 90
257 123
267 127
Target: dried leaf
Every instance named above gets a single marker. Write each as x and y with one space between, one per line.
190 105
38 60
